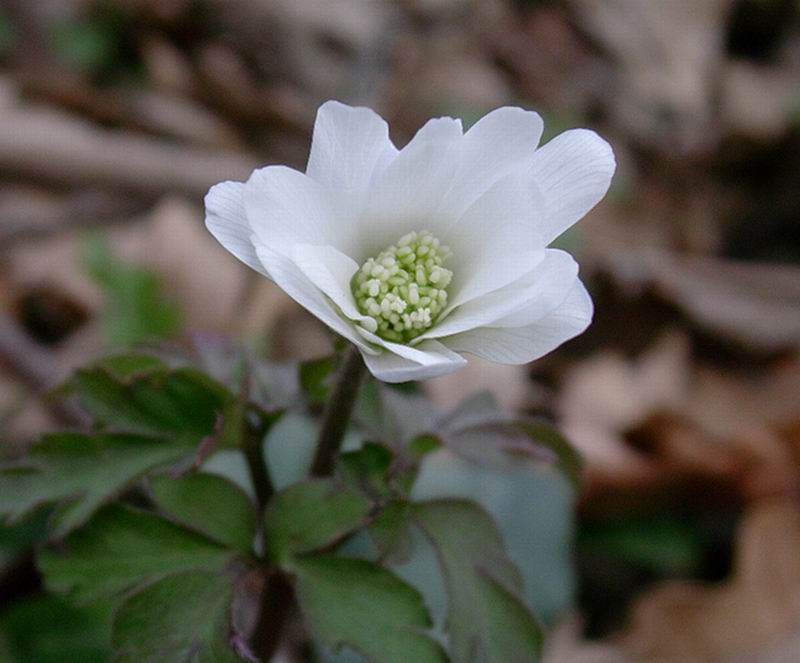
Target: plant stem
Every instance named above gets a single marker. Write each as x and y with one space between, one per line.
337 412
253 448
277 595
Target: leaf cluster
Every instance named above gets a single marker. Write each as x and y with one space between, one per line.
143 521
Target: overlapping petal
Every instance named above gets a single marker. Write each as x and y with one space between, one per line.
286 207
297 285
227 221
573 171
412 186
520 345
500 142
535 294
348 147
497 240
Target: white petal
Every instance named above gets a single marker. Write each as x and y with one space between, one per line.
526 300
227 221
574 172
497 240
406 194
429 360
331 272
347 147
286 207
520 345
289 277
495 145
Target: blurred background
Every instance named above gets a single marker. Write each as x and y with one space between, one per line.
684 396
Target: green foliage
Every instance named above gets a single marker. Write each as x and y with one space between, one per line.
665 545
136 309
312 515
122 548
210 505
172 568
82 471
157 415
181 403
183 617
487 620
8 35
367 470
48 629
546 437
314 378
359 604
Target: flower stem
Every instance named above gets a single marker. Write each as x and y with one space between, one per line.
337 412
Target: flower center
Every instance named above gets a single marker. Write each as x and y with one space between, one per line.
404 289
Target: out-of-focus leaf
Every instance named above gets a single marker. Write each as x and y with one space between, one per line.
545 436
182 403
136 309
183 617
367 608
367 469
390 531
210 505
83 45
15 540
8 35
83 470
479 431
122 548
128 365
311 515
47 629
487 620
289 449
392 417
314 377
667 546
534 512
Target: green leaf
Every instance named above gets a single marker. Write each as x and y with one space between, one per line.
390 531
314 377
487 621
122 548
367 469
128 365
47 629
393 417
19 539
311 515
359 604
8 34
183 403
183 617
83 470
210 505
568 460
534 511
136 309
663 544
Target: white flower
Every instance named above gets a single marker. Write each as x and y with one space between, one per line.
421 254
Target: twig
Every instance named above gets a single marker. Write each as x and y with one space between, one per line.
60 147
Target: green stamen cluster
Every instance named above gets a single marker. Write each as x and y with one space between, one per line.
404 289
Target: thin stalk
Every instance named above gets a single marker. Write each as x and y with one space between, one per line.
277 595
337 412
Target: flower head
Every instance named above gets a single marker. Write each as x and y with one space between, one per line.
421 254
